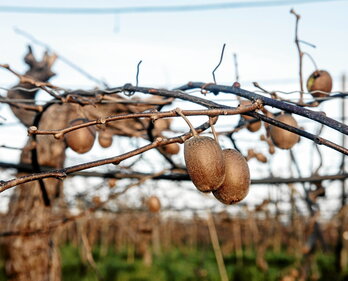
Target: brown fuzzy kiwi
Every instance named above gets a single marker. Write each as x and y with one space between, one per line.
160 126
105 138
271 149
251 154
319 80
204 163
96 200
172 148
112 182
81 140
283 138
261 157
154 204
237 180
252 127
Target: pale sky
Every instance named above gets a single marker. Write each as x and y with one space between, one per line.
179 47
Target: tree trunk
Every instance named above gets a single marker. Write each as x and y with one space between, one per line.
30 255
31 252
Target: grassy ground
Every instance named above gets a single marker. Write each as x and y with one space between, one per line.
182 265
186 265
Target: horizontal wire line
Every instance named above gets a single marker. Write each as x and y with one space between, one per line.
154 9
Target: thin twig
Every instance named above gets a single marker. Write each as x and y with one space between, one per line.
152 115
180 94
90 210
221 57
27 79
62 173
313 115
137 76
307 43
37 108
236 67
311 59
300 54
178 175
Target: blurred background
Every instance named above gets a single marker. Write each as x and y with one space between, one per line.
269 235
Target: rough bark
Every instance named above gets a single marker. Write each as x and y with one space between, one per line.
36 257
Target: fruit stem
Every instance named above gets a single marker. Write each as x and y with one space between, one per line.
312 60
179 111
213 129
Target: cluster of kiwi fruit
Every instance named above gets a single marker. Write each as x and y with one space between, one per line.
319 83
225 173
279 137
160 126
257 155
82 140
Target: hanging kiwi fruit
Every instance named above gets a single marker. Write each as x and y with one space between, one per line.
154 204
172 148
224 172
112 182
252 127
204 163
237 178
96 200
319 83
161 125
105 138
251 154
261 157
204 160
282 138
258 155
80 140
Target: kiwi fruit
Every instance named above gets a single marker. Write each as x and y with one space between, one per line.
271 149
172 148
112 182
319 80
154 204
251 154
81 140
283 138
204 163
161 125
105 138
252 127
96 200
237 178
261 157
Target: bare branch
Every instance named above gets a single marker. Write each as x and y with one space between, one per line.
221 57
61 173
300 54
